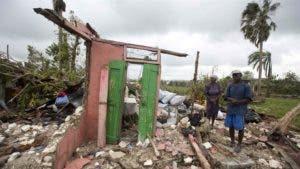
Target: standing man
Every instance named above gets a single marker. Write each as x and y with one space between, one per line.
238 95
212 92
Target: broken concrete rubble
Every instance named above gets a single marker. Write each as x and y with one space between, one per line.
35 143
116 154
13 156
148 163
274 164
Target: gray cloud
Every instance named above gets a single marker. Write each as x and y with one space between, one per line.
155 16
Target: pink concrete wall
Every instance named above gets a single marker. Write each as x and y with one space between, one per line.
101 54
73 138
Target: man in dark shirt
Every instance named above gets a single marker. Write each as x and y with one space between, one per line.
238 95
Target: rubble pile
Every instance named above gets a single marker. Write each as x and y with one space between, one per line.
32 145
24 144
171 149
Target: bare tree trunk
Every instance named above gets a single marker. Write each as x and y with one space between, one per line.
73 53
7 51
260 69
60 42
269 77
194 82
283 123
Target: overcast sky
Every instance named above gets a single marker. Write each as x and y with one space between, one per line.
210 26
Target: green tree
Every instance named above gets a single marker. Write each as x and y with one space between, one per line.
254 58
248 75
256 25
36 60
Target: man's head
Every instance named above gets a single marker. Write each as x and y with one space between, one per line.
213 78
236 75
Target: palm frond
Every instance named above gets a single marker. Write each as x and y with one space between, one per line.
273 25
274 6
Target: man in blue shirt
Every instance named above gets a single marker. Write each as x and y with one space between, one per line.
238 95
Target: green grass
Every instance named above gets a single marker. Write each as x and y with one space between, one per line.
177 89
277 107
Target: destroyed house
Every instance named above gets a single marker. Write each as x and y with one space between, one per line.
106 63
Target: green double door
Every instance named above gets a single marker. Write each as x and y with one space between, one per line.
117 71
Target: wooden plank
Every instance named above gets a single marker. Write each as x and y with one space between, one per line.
156 152
102 107
143 47
201 157
141 61
157 91
287 158
85 32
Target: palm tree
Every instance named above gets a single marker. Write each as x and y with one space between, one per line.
256 25
254 59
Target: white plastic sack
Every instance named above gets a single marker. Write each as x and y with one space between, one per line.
168 97
221 115
131 106
177 100
162 94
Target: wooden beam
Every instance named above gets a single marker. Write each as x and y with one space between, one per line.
84 31
169 52
88 33
142 47
141 61
204 163
156 152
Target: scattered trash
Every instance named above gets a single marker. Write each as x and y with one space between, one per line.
116 154
123 144
221 115
100 153
188 160
274 164
148 163
207 145
263 162
252 117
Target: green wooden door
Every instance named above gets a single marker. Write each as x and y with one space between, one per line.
115 101
148 101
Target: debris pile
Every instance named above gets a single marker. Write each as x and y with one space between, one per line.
171 149
32 145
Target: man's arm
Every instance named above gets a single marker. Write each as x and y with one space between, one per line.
228 97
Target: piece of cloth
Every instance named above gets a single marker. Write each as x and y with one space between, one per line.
238 91
62 100
236 121
61 94
212 92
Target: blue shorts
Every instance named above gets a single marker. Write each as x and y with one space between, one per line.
235 121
